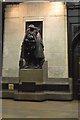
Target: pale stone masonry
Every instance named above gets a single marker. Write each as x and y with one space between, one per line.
54 19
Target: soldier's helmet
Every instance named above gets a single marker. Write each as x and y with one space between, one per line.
31 26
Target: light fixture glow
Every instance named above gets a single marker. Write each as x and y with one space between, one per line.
57 8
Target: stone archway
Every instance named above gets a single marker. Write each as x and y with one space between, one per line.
76 65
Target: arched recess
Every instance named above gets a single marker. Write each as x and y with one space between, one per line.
76 66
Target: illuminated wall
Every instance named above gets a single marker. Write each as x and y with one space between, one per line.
53 15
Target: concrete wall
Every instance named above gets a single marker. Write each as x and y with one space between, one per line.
54 36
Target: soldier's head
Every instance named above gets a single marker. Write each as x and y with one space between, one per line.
31 27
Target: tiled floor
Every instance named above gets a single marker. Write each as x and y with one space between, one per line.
46 109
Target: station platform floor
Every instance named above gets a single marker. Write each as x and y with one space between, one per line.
45 109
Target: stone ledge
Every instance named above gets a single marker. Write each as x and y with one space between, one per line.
59 95
36 96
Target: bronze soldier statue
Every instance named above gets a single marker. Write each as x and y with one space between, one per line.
32 55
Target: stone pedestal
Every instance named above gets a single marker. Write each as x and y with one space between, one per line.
31 84
31 75
34 75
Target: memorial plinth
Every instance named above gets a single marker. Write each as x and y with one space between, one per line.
31 75
31 84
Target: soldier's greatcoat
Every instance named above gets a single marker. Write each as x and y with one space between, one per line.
38 52
39 47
